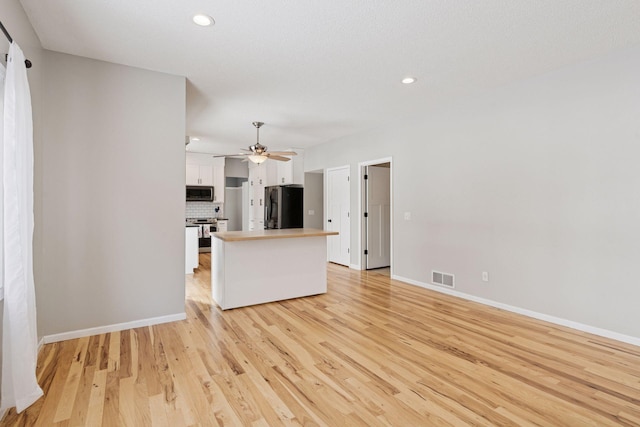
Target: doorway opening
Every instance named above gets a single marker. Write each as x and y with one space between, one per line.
376 220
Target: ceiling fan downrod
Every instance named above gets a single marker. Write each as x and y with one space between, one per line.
258 147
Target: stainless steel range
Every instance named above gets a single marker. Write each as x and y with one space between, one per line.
206 226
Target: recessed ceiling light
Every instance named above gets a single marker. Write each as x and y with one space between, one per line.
195 138
203 20
409 80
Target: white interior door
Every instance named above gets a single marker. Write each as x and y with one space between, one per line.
378 217
338 217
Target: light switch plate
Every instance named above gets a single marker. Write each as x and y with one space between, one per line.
407 216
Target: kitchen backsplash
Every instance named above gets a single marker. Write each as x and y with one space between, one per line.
203 210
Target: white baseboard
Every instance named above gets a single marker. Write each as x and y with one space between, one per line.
355 266
540 316
112 328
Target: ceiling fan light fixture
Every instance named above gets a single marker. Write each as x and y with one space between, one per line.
203 20
257 159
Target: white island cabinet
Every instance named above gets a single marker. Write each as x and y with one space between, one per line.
255 267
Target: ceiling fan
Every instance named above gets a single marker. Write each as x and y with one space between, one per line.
258 153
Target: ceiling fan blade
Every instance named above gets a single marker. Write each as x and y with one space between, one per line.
279 158
283 153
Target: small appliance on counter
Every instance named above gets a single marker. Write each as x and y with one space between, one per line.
283 207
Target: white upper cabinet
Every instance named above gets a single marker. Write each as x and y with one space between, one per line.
285 173
193 174
199 175
219 179
206 175
291 172
271 172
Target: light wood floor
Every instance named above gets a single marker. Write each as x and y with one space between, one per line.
370 352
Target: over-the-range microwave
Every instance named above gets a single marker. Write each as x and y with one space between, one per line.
197 193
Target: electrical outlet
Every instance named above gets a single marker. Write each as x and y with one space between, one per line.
485 276
312 212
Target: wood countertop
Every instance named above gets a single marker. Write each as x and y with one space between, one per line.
239 236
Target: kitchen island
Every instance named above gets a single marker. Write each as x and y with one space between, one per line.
255 267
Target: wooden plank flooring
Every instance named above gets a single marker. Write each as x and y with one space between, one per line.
370 352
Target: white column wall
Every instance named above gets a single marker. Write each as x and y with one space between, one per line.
113 195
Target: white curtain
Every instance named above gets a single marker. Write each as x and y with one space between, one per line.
19 340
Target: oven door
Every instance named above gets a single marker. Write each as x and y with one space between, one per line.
204 241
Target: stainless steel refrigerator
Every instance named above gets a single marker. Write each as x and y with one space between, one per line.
283 207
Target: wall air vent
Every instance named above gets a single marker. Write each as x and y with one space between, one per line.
442 279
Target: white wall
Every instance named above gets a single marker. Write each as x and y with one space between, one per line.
236 168
113 195
233 208
313 196
536 183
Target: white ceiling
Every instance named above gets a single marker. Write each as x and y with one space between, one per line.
316 70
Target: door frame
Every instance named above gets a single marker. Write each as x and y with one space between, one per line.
325 203
362 235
